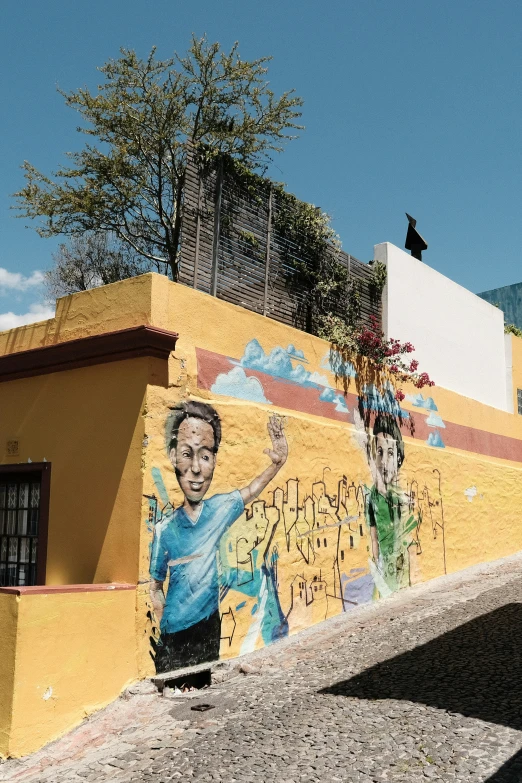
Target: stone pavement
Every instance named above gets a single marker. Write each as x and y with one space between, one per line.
425 685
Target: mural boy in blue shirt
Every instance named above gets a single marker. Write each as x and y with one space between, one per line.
186 540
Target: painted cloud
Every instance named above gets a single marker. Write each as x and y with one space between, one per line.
419 402
341 406
470 493
278 362
295 353
320 380
382 403
236 384
434 420
333 361
330 395
434 439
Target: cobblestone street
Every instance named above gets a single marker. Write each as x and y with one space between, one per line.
423 685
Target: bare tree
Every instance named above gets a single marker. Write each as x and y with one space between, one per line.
90 260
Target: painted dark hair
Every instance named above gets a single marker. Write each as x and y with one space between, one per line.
194 410
386 423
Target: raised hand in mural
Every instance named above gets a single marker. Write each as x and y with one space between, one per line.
278 455
279 451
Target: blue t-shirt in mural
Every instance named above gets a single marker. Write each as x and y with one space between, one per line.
187 550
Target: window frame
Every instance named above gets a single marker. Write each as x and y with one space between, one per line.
44 469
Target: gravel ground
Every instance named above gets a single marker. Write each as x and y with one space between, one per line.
423 685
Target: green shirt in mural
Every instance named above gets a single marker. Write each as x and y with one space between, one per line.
389 515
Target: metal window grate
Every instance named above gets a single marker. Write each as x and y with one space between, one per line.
19 518
519 400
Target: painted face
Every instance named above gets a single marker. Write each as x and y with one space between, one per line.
386 459
193 458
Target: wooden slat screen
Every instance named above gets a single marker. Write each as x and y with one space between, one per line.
241 274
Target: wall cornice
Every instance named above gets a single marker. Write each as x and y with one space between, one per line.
130 343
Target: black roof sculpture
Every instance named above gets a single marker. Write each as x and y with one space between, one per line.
414 242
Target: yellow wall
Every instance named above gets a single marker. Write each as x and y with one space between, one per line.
8 625
464 504
205 322
103 430
64 663
88 424
104 309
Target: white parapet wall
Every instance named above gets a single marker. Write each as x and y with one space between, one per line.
458 337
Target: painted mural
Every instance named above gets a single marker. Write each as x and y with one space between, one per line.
311 518
187 538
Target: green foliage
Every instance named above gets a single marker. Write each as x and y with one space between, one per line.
378 279
353 315
249 239
312 254
340 334
128 179
384 354
512 329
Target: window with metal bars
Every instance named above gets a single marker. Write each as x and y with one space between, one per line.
519 400
23 512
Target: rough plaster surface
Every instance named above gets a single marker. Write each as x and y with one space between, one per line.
288 714
476 501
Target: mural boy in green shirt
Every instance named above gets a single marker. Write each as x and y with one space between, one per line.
387 509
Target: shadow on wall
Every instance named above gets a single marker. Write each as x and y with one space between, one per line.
475 670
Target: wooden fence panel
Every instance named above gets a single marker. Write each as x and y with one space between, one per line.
252 261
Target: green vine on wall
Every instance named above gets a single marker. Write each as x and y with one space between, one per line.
311 251
512 329
378 279
309 245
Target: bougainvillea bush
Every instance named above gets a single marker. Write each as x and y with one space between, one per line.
384 353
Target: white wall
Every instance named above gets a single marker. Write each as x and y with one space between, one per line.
458 337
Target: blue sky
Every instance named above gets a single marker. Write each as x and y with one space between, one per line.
409 106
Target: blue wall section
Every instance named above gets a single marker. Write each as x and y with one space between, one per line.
509 299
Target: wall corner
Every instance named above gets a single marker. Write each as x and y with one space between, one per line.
380 253
510 392
9 612
159 301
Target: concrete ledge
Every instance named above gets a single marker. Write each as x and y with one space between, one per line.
53 589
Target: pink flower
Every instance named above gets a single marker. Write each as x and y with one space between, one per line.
399 395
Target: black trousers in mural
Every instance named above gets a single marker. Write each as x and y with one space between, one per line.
197 644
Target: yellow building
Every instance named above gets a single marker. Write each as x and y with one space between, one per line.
90 431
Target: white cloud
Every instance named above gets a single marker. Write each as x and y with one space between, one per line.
330 395
434 420
37 312
341 405
333 361
316 377
236 384
15 281
470 493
